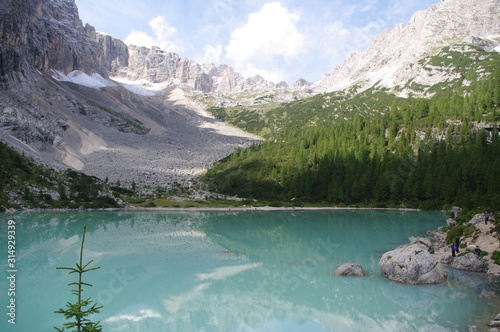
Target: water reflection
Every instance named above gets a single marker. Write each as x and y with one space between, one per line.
231 271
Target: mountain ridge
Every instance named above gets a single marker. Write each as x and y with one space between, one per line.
392 58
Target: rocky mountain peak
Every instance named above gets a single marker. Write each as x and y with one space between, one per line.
392 58
153 66
301 83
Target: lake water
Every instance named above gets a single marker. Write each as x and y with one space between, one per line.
233 271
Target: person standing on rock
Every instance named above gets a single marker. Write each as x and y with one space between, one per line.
457 245
453 249
478 252
486 217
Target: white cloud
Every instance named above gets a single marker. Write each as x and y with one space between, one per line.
274 73
333 43
163 36
211 54
269 35
139 38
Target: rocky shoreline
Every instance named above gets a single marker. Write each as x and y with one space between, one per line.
482 238
422 260
435 244
236 208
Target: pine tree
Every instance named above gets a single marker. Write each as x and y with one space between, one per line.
76 310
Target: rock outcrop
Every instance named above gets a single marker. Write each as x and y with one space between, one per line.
469 262
350 269
451 222
457 211
46 35
113 53
156 66
483 237
412 264
478 218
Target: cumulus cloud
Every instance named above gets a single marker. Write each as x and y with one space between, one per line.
269 35
163 36
211 54
139 38
333 42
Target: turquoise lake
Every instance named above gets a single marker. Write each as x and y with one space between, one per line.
233 271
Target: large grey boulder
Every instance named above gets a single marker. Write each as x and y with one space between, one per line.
469 262
478 218
350 269
412 264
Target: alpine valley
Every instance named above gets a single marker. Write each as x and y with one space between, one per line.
86 120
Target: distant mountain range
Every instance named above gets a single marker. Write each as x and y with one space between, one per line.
71 96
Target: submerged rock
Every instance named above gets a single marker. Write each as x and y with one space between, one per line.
350 269
469 262
412 264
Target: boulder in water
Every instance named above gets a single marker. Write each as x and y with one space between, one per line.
350 269
412 264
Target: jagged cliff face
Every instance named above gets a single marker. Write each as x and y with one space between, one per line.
49 35
46 35
393 58
152 67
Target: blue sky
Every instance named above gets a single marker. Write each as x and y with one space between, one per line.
281 40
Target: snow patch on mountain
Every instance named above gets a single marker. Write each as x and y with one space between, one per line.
138 87
95 81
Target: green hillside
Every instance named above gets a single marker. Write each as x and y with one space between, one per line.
374 148
26 184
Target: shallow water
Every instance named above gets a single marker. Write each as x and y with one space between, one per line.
233 271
